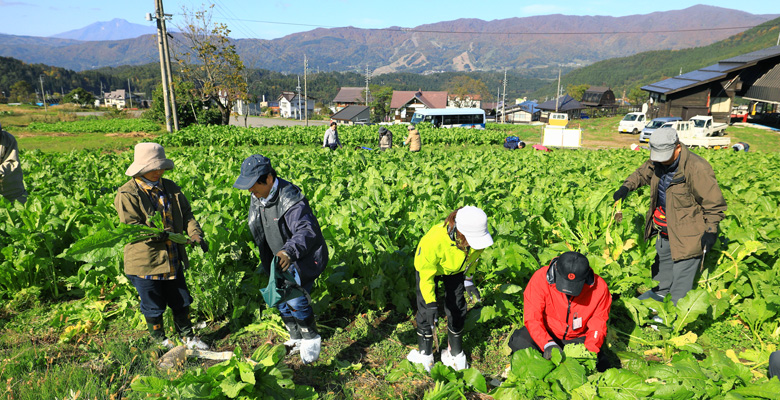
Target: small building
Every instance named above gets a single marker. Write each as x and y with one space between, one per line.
600 101
120 99
351 115
292 105
565 104
711 90
350 96
523 113
405 103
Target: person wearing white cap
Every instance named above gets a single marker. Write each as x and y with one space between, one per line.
686 207
156 266
11 176
447 254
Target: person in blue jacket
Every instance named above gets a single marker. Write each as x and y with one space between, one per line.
284 226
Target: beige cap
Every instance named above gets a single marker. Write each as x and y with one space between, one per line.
148 157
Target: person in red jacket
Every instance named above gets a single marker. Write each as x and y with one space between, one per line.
564 303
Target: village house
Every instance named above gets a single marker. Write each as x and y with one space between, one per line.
405 103
350 96
292 105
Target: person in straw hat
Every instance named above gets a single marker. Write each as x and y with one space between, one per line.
156 266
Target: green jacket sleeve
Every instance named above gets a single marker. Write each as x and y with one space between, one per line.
640 177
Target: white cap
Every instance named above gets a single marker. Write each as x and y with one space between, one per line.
472 223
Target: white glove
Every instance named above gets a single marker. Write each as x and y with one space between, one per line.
418 358
310 349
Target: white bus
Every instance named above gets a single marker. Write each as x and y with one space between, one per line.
451 117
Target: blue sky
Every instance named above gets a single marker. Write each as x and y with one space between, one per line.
49 17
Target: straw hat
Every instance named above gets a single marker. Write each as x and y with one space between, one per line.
148 157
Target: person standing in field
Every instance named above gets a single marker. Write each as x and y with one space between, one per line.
156 266
564 303
284 226
413 140
686 206
385 138
448 253
331 139
11 176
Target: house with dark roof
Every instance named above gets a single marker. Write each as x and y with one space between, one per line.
348 96
404 103
711 90
565 104
351 115
599 100
522 113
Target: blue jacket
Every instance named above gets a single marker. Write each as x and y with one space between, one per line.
300 230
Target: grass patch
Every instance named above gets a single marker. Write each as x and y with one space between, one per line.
81 141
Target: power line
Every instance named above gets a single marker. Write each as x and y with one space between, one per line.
413 30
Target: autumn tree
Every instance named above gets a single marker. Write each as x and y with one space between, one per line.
577 91
209 60
466 90
21 91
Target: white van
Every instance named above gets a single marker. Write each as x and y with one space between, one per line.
633 122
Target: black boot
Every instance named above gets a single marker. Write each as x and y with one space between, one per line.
308 327
156 329
456 341
292 327
425 342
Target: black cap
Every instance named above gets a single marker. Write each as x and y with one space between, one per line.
572 270
251 169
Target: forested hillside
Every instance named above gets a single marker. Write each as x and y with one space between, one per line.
641 69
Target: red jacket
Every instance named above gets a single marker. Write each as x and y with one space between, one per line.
546 308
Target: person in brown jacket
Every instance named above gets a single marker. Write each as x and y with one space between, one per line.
156 266
686 206
413 140
11 176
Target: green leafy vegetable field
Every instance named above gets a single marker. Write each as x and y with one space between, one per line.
84 333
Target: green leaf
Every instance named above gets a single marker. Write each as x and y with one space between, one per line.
529 364
623 385
570 374
231 388
246 372
475 379
672 391
441 372
765 390
106 238
149 384
691 307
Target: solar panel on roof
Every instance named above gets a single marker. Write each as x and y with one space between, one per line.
700 75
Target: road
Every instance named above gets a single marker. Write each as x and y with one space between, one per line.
261 121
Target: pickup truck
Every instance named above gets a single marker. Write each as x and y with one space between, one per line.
704 126
633 122
688 135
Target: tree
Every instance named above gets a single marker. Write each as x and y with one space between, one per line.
466 90
380 103
189 108
21 91
211 63
577 91
79 96
637 96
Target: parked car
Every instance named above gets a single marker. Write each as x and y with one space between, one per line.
656 123
633 122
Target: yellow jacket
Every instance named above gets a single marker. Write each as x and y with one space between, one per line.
437 255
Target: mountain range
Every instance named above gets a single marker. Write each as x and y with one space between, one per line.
116 29
530 43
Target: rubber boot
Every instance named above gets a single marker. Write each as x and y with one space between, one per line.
423 356
311 342
157 330
183 326
454 356
294 344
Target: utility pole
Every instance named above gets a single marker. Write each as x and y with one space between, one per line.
298 89
558 92
171 120
305 92
368 78
503 102
129 93
43 95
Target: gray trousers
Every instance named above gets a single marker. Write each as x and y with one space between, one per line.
675 277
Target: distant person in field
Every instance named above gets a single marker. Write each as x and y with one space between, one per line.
11 176
413 139
686 206
564 303
284 226
513 143
448 253
331 139
385 138
156 266
741 146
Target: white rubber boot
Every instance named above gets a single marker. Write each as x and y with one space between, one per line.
416 357
457 362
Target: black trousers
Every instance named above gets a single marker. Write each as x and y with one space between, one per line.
157 295
454 303
774 365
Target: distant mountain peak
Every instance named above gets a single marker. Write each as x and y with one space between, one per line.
116 29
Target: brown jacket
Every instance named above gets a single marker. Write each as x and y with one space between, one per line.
11 176
133 205
694 203
413 140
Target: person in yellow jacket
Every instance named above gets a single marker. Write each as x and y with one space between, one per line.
447 254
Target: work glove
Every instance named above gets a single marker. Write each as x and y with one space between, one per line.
548 352
708 240
471 291
620 194
204 245
284 260
161 237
